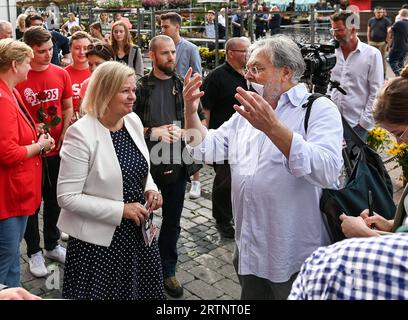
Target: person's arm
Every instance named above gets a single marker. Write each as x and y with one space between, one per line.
368 33
356 227
67 113
375 79
139 68
16 294
192 95
195 61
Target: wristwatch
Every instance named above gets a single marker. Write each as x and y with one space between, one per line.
42 148
148 133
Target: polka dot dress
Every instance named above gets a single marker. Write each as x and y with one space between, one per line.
127 269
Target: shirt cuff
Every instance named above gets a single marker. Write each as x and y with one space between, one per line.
299 162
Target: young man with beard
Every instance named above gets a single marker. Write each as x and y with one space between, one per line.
277 169
359 69
159 104
51 85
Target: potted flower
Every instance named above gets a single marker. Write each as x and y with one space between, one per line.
378 138
400 151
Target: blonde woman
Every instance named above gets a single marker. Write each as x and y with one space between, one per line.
107 194
125 51
21 27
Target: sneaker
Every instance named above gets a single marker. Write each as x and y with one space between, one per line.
57 254
195 190
36 265
173 287
226 230
64 236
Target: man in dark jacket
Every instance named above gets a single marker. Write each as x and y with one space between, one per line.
160 106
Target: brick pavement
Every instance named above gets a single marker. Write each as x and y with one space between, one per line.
205 268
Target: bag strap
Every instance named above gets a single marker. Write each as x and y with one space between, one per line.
346 126
308 107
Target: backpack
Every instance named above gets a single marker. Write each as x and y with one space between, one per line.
368 174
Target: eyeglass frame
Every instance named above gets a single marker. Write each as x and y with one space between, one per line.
334 30
94 47
254 70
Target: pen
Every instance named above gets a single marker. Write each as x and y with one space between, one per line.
370 203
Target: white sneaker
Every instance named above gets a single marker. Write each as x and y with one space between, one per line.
64 236
195 190
58 254
37 266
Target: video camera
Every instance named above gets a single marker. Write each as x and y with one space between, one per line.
319 60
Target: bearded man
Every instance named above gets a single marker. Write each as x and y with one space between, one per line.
159 104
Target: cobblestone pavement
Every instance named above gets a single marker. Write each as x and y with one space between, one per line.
205 260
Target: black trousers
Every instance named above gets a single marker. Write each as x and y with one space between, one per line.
51 210
221 194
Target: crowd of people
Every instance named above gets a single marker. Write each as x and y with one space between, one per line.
102 144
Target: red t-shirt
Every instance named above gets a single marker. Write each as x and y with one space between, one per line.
56 83
84 86
77 77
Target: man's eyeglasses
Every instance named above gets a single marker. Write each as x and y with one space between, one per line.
238 50
333 30
254 70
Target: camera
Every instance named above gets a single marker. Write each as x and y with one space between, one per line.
319 60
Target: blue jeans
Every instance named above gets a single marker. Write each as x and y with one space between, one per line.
51 210
173 201
11 234
396 60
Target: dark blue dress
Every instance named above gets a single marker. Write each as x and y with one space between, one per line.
127 269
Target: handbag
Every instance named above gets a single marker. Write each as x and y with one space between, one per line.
368 174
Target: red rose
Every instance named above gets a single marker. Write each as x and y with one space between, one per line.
42 95
52 111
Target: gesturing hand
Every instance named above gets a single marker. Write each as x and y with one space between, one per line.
191 92
168 133
136 212
255 109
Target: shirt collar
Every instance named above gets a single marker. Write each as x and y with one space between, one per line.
296 95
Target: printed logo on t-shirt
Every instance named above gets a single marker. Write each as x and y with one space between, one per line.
76 89
31 97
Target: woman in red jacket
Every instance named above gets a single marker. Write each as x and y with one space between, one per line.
20 159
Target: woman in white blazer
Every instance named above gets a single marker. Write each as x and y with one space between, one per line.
106 195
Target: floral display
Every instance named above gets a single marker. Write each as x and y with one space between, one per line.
378 138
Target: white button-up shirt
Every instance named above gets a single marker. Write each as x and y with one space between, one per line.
361 76
275 200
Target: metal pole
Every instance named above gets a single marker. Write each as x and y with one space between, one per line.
217 55
251 20
139 36
8 11
312 24
227 24
153 22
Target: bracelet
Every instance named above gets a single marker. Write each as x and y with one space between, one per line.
42 148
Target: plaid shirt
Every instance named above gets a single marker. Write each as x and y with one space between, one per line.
373 268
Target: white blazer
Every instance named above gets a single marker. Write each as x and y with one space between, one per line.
90 186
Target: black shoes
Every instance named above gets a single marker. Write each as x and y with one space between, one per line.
173 287
226 230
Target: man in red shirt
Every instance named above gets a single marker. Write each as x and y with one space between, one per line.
50 86
78 70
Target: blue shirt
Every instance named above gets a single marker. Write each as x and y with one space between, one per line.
187 56
275 200
373 268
